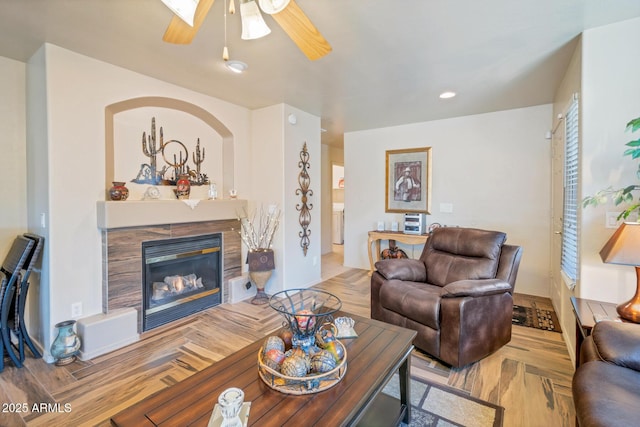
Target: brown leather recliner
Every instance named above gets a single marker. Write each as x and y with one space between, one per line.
457 295
606 385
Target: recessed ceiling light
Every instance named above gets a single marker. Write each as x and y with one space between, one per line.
448 94
236 66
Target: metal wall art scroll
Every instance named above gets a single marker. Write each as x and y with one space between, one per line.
175 155
304 207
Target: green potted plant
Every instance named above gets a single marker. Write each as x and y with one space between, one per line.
623 195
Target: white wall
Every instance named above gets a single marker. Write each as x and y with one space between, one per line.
266 168
494 168
610 88
77 90
275 154
560 293
13 192
326 201
38 306
302 270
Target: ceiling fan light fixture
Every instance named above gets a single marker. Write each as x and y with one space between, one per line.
271 7
447 94
253 25
185 9
236 66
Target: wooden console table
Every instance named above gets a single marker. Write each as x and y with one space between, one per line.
376 236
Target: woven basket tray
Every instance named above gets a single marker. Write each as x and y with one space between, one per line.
309 384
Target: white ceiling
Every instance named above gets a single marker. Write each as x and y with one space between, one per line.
390 59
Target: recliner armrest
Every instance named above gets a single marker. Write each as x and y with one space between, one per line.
411 270
618 343
475 288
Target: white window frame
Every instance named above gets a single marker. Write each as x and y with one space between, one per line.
570 249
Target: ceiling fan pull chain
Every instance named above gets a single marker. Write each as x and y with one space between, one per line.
225 51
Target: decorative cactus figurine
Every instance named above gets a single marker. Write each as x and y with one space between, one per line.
198 158
151 150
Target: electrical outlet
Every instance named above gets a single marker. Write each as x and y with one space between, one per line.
446 207
76 309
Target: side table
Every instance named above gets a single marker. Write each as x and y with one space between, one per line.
376 236
584 310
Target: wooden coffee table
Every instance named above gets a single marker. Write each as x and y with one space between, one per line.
379 351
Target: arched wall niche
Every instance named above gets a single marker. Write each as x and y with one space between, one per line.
174 104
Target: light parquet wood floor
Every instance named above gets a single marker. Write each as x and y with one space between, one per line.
530 377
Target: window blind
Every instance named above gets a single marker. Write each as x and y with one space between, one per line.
569 258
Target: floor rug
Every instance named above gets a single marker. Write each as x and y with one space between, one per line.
536 318
437 405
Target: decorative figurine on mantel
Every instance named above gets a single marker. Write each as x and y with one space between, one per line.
257 233
149 173
152 146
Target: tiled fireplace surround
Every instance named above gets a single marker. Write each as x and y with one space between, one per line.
124 226
122 263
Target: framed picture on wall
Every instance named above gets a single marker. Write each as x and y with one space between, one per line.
408 181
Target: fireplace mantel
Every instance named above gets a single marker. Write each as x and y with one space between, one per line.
136 213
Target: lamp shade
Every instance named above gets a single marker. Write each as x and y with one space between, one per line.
185 9
624 246
273 6
253 25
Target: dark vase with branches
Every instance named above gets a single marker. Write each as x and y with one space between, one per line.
257 232
625 195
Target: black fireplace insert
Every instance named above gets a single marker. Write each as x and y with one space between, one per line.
180 276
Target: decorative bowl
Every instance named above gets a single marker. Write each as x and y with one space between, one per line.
311 383
305 312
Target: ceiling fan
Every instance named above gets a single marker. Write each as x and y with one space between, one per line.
286 13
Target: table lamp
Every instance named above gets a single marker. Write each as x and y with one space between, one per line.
624 248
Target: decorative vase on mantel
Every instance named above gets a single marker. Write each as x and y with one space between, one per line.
261 264
118 192
183 187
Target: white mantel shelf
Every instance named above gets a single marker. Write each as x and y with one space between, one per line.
136 213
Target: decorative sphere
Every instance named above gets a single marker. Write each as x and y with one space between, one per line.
287 338
294 366
306 320
323 361
274 358
298 352
323 337
273 342
336 350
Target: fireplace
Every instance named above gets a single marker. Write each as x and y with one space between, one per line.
180 276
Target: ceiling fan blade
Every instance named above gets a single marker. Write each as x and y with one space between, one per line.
304 34
179 32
